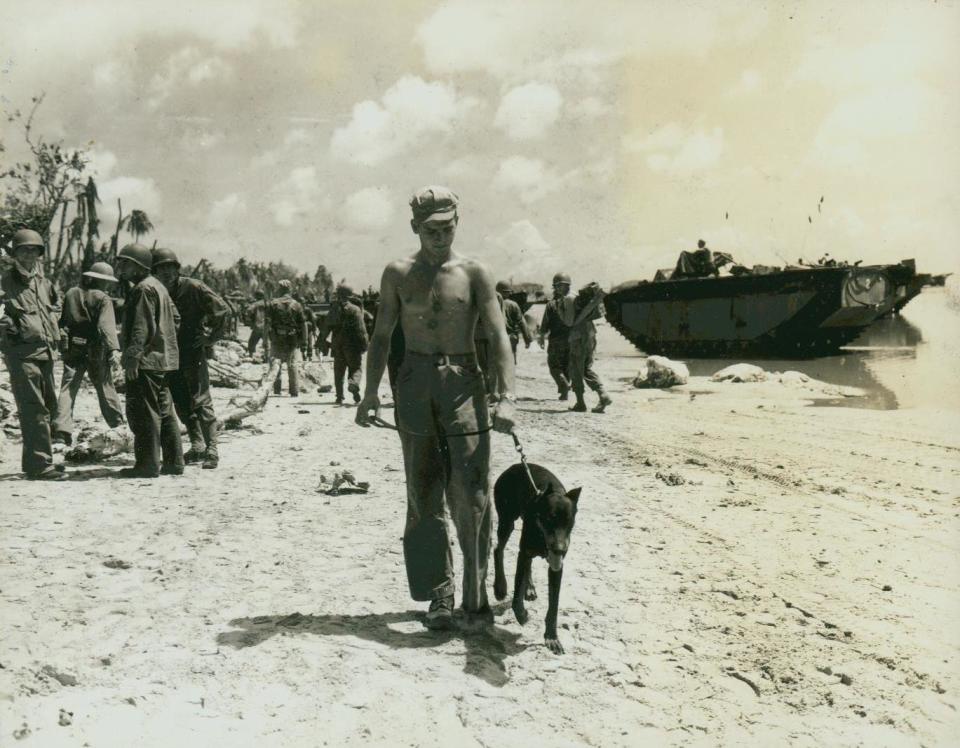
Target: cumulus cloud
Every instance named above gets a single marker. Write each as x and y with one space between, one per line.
673 150
136 193
225 211
186 67
527 178
521 236
529 110
519 251
463 167
410 112
511 39
369 208
101 163
298 195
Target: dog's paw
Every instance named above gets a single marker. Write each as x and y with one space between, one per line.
531 593
520 612
500 589
554 645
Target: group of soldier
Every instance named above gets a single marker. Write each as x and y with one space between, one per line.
445 332
167 322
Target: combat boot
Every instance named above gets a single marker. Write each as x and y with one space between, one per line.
211 434
580 406
197 447
604 402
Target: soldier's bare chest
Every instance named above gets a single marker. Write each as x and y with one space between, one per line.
437 290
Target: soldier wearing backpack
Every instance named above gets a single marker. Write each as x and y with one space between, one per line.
89 330
287 327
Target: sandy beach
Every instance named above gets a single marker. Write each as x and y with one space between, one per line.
745 569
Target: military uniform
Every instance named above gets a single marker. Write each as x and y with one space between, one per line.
28 337
203 315
583 345
482 346
149 339
516 325
257 315
90 328
557 332
348 344
288 329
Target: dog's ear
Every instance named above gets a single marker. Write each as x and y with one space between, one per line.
573 494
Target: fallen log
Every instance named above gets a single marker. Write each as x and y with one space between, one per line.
99 443
223 375
240 408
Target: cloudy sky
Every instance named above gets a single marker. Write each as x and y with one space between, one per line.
600 137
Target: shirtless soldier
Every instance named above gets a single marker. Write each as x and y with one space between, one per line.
441 411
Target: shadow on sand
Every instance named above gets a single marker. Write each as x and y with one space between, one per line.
485 652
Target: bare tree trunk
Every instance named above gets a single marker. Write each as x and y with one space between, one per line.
63 220
115 241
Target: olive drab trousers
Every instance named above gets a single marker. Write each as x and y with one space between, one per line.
558 361
35 393
98 369
444 429
287 350
156 430
581 366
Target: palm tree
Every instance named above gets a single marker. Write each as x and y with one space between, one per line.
138 224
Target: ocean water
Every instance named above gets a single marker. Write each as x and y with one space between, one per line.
907 361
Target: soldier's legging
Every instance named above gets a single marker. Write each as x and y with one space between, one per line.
190 389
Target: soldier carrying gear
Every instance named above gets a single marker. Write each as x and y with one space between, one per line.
203 315
150 353
29 335
554 327
287 328
513 316
89 328
348 343
583 344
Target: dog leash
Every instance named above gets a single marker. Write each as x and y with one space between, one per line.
382 423
523 460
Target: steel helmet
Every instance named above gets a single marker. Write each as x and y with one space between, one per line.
502 287
162 256
101 270
27 238
284 285
561 278
344 290
136 253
